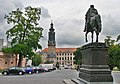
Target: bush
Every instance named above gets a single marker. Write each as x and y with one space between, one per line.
115 69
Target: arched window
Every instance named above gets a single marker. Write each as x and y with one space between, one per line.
11 62
5 62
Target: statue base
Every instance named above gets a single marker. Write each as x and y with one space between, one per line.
94 66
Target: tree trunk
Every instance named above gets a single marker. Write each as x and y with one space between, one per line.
20 60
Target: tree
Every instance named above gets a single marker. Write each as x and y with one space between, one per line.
26 32
118 38
109 41
114 56
37 59
78 56
113 52
48 62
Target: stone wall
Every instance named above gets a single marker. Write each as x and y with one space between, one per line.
7 60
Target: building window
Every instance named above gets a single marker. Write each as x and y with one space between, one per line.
11 62
62 53
70 53
5 62
65 53
62 58
57 58
70 58
65 58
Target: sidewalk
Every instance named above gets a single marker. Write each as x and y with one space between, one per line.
116 76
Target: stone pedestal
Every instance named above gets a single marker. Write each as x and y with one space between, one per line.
94 66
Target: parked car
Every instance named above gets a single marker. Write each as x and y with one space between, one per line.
67 67
28 70
13 70
41 69
54 68
47 67
36 69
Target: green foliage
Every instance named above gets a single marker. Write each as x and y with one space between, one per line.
25 33
48 62
37 59
26 29
7 50
78 56
109 41
1 70
113 52
115 69
118 38
114 56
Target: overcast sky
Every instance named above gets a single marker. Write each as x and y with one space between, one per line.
68 17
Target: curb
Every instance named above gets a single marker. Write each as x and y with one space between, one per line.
76 81
68 81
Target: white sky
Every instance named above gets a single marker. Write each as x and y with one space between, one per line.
68 18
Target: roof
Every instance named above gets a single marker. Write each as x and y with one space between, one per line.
52 55
45 50
61 49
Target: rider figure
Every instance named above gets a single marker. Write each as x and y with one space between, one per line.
92 12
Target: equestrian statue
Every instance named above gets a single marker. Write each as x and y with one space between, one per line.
92 23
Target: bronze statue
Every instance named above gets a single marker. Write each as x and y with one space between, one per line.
92 22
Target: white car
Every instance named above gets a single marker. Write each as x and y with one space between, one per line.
67 67
46 69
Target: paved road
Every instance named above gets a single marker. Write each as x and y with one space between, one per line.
54 77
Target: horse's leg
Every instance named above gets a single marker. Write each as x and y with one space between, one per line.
97 36
86 37
92 35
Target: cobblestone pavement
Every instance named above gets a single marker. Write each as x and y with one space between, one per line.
54 77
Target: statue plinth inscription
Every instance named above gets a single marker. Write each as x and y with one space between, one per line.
94 66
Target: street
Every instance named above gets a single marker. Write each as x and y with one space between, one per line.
54 77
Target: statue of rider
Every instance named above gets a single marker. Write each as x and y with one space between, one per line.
91 14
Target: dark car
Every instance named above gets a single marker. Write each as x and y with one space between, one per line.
13 70
36 69
28 70
41 69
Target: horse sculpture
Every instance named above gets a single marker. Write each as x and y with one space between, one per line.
93 24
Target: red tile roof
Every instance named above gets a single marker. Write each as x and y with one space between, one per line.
61 49
45 50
